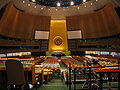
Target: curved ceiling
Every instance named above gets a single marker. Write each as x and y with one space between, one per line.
60 3
58 13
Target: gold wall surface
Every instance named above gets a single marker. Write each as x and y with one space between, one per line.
58 29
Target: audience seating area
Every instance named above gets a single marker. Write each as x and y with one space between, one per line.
80 71
28 66
71 62
51 64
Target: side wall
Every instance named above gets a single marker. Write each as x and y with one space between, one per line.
15 23
102 23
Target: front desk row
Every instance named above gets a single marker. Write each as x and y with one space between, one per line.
92 78
15 75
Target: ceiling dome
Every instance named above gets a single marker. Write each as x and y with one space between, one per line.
62 3
50 8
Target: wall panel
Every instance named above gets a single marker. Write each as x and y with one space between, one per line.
101 23
114 42
19 24
13 43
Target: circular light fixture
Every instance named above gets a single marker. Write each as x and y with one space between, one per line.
23 1
56 9
71 3
41 8
28 4
84 1
33 0
58 4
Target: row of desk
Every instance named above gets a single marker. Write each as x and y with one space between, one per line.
29 70
102 72
91 70
33 74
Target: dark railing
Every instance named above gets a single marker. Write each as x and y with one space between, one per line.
92 70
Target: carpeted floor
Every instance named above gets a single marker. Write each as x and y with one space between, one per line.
54 84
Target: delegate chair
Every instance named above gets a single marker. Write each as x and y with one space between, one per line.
15 74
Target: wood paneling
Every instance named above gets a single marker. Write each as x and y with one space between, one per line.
12 43
101 23
113 44
19 44
44 45
101 42
93 49
19 24
19 50
72 45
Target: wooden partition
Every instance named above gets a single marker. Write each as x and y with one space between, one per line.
115 42
18 24
94 49
104 22
13 43
5 43
113 45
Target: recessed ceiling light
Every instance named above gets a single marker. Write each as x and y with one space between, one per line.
33 0
41 8
28 4
23 1
56 9
58 4
71 3
84 1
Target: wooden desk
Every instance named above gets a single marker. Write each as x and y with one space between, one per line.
29 70
101 72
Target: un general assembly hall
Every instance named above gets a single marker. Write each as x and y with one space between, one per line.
59 44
